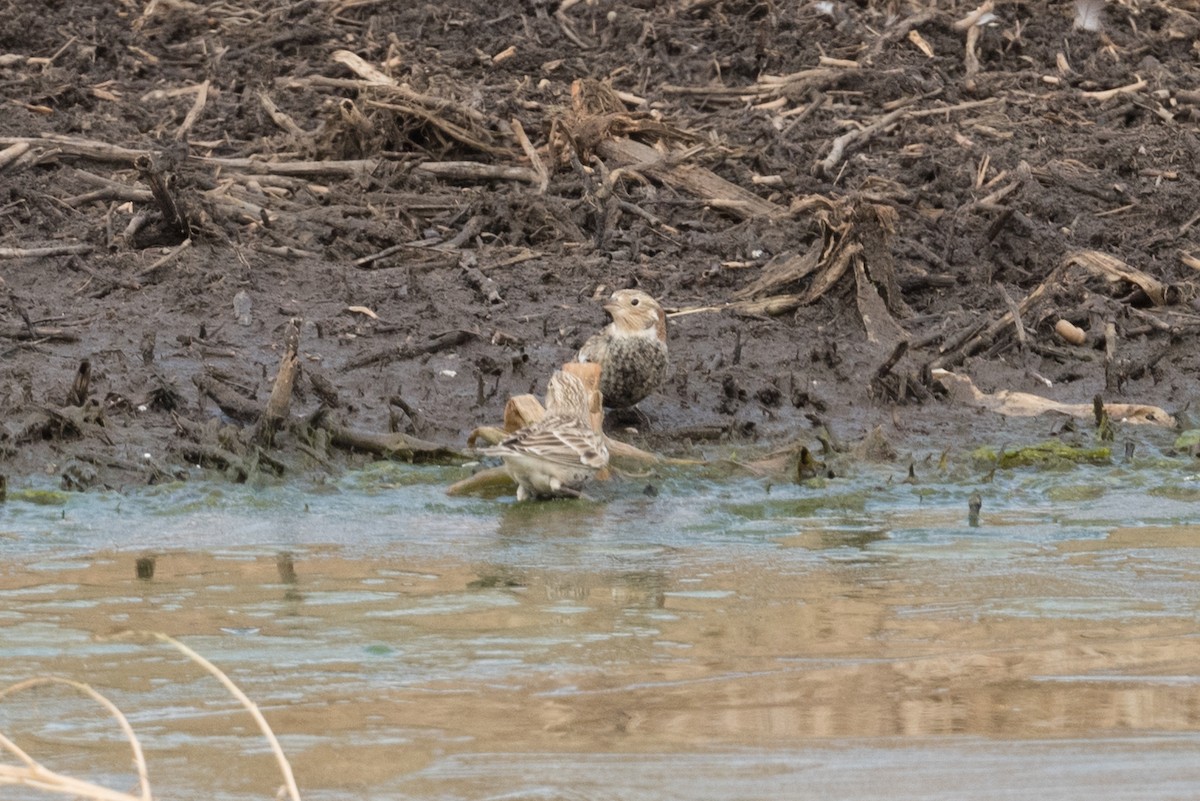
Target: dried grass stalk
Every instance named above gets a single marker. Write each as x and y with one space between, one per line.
34 774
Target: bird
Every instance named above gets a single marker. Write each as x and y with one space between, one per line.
553 457
631 350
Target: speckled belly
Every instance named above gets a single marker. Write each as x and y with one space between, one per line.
633 368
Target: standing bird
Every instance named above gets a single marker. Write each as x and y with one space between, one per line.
631 350
553 457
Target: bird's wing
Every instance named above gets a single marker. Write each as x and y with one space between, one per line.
567 443
595 349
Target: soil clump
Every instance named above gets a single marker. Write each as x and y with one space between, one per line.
414 211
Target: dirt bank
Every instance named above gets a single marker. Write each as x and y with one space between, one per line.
833 199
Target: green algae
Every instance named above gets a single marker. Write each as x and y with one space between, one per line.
40 497
1045 455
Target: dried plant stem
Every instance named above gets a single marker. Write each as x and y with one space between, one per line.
284 766
194 112
539 166
34 775
40 778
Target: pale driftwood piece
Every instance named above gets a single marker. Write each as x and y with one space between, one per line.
486 480
970 56
1115 271
287 252
623 450
361 68
881 327
564 24
767 307
451 129
421 105
102 151
480 283
51 250
151 274
38 334
964 106
194 112
39 777
237 208
451 339
13 152
114 191
492 435
972 19
1109 94
477 171
782 271
392 446
691 178
278 117
234 404
837 150
539 166
402 91
519 411
374 77
325 169
367 261
83 148
279 404
1024 404
894 33
794 84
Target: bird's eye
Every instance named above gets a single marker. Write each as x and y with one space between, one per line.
633 302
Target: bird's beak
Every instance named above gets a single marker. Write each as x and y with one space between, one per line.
611 307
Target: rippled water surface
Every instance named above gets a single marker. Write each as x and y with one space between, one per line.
721 639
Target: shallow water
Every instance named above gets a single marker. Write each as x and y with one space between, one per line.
723 639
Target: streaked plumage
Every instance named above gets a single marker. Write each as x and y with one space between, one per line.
556 455
631 350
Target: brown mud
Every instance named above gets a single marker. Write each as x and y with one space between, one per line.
833 199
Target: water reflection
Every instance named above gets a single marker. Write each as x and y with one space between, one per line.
403 666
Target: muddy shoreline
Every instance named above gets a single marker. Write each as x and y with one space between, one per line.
831 200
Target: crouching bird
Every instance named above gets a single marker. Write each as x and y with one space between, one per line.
631 350
555 456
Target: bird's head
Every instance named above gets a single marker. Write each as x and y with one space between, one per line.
635 312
